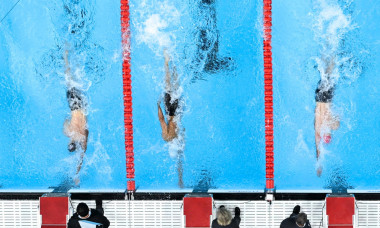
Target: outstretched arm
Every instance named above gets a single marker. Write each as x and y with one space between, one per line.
67 66
330 64
317 129
161 118
84 147
167 72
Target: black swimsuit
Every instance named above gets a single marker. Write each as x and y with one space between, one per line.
75 99
170 107
323 94
325 90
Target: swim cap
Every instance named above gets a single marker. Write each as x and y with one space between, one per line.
71 147
326 139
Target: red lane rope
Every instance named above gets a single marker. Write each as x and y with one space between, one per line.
127 95
268 94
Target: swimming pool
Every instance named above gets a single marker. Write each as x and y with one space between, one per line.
221 143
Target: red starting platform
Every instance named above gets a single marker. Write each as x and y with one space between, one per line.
197 210
340 211
54 210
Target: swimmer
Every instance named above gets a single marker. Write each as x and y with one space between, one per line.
324 121
169 129
76 127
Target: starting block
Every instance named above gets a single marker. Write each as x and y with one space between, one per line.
55 210
197 210
340 211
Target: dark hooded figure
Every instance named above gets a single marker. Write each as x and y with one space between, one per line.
296 219
85 214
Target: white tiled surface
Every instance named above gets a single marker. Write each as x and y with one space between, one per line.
168 213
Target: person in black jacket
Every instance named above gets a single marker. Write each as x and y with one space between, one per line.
296 219
84 213
224 218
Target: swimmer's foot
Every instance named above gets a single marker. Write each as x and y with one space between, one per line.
76 181
319 171
180 184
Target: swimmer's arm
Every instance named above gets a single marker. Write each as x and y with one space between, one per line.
167 59
84 144
161 118
67 66
317 127
80 162
330 65
167 71
317 141
84 147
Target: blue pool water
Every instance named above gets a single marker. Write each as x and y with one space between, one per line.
221 121
300 31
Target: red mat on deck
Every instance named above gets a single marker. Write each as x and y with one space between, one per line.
54 211
340 211
197 211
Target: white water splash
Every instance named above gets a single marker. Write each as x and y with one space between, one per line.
332 28
98 161
301 147
160 22
331 25
322 155
176 146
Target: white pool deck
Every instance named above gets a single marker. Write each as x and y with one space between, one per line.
168 213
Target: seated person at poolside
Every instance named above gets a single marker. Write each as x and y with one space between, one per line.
224 218
291 221
85 214
169 129
76 127
324 121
